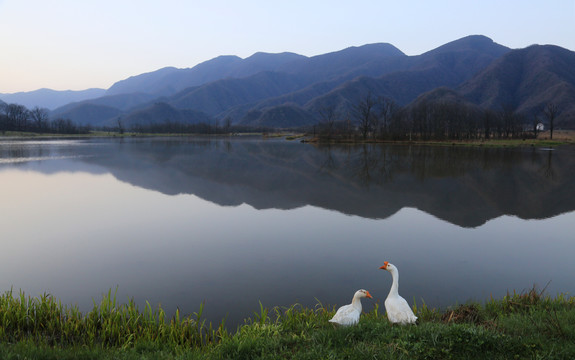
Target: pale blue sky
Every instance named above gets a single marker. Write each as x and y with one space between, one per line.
79 44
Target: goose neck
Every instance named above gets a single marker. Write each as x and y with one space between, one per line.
356 302
394 291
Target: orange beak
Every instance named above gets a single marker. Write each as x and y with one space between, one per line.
384 267
367 294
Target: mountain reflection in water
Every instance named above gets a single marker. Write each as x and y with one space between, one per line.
464 186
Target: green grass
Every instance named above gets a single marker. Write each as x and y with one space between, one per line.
519 326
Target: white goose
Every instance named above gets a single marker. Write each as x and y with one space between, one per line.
398 311
349 314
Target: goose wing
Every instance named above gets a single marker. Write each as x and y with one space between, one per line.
346 315
398 311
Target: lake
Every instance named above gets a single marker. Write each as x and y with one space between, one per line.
233 222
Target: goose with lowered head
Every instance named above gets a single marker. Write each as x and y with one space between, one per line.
349 314
398 311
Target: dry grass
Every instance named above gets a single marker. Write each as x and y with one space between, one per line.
559 135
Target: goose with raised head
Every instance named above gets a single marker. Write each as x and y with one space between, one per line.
398 310
349 314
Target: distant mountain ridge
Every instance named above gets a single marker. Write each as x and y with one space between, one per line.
50 99
239 82
448 65
288 90
168 81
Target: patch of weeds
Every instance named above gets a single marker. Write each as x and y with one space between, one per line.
468 314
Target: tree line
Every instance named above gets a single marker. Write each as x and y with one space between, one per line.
18 118
381 118
14 117
370 118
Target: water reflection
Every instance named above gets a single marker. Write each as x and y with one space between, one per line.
465 186
235 222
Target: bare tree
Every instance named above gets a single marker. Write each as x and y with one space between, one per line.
120 126
40 119
64 126
328 117
227 124
421 115
347 121
550 111
535 126
488 119
3 117
508 120
388 110
364 114
17 117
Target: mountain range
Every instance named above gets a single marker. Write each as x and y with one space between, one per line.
288 90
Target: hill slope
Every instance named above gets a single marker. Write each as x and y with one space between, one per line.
158 114
218 96
404 78
89 114
526 80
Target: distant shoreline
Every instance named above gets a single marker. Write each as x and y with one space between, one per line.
560 137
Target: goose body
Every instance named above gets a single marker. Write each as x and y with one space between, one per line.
349 314
398 310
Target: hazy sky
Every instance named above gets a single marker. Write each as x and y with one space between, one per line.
79 44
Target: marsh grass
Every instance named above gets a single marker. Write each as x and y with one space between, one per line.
46 321
520 325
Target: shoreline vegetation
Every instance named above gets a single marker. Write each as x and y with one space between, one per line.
560 137
522 325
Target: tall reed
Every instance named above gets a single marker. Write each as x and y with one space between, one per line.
44 320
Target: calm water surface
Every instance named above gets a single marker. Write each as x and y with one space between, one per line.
233 222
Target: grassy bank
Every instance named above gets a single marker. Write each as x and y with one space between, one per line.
524 326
